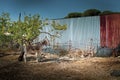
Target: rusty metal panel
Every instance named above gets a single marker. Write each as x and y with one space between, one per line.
103 31
110 30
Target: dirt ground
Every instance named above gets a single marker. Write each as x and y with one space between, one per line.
95 68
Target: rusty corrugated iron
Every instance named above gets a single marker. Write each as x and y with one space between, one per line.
110 30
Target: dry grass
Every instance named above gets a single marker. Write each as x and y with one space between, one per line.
95 68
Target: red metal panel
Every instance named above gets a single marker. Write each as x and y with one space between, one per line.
103 31
110 30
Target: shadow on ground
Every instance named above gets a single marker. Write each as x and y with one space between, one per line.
55 69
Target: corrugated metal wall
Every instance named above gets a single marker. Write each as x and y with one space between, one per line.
110 30
104 30
79 31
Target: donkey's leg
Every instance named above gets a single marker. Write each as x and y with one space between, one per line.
37 58
40 55
25 55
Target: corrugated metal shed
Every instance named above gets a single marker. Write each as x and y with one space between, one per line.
103 30
79 32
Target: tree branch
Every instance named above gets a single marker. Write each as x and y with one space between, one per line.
47 33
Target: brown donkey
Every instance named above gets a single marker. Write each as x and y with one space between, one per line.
34 49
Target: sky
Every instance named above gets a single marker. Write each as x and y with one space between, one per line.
53 9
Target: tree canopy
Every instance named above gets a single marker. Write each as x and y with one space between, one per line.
27 29
4 26
89 12
74 14
106 12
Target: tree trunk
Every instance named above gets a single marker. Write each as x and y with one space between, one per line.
20 58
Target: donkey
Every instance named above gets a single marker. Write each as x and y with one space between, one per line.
34 49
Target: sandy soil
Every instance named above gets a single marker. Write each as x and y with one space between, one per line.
95 68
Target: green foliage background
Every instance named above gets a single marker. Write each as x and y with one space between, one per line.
89 12
27 29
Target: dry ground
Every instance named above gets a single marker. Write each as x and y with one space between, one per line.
95 68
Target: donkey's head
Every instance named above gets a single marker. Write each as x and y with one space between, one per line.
45 42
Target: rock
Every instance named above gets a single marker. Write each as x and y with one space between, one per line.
115 73
104 52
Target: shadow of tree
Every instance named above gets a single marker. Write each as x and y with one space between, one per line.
22 71
3 54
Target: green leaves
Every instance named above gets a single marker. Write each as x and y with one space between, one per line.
74 15
91 12
27 29
57 26
4 27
